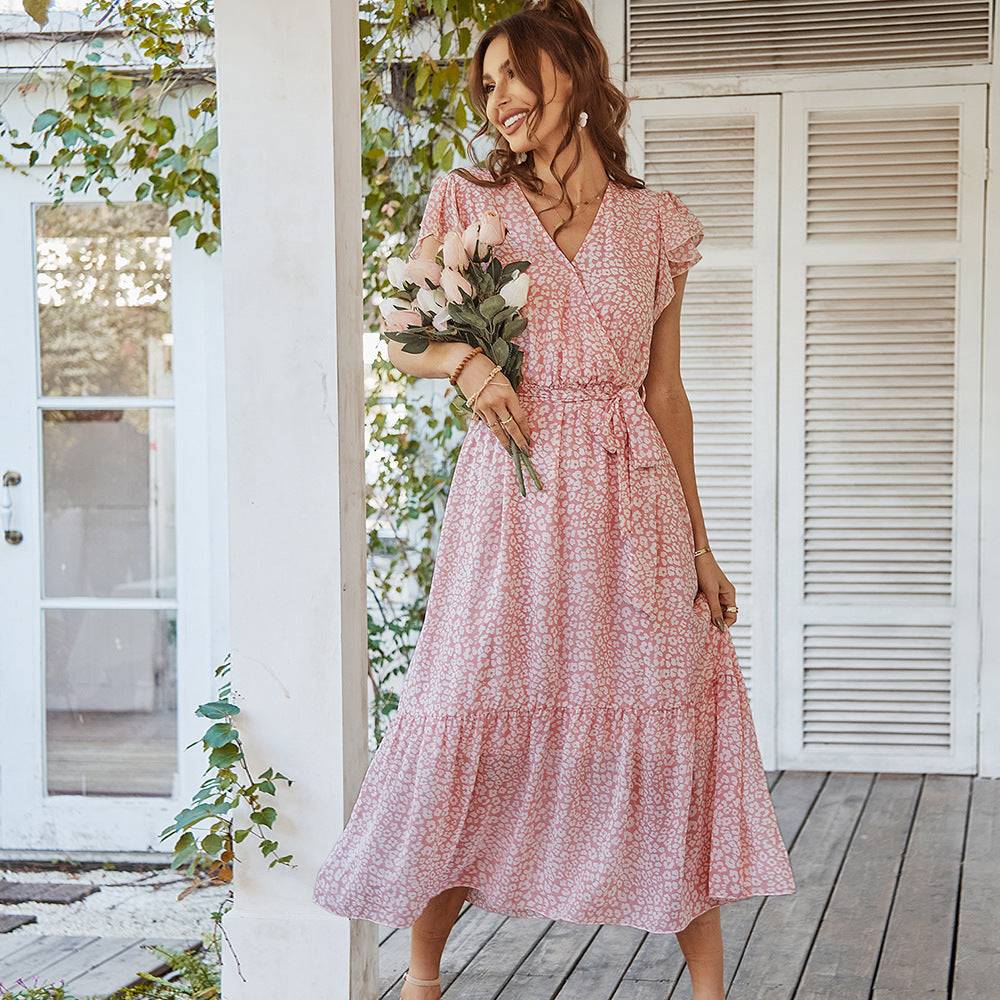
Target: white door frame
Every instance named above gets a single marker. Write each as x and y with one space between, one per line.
29 817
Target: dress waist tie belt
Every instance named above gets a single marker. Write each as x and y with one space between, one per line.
623 427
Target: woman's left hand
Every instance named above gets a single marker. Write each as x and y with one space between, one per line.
715 585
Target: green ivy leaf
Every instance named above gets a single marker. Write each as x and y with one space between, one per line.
225 755
219 734
38 11
45 120
217 710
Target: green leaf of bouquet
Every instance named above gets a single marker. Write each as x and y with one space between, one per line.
500 352
492 306
514 327
516 266
417 347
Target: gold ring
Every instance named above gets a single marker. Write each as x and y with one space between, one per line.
733 608
503 423
488 424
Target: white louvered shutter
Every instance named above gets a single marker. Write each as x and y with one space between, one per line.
692 37
719 157
882 195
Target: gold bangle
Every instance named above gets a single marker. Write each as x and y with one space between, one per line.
453 377
701 552
471 401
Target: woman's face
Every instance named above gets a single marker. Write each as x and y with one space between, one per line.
508 100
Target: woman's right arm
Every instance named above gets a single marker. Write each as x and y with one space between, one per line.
495 402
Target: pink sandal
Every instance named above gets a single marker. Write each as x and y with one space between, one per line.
421 982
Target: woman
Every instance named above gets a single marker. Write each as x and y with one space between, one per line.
574 739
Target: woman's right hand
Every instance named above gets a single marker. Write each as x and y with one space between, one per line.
497 405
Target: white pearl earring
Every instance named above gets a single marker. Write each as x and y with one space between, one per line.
583 119
521 157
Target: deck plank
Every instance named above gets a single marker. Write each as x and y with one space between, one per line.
45 952
783 932
491 968
659 960
603 963
977 955
122 969
916 956
543 972
844 956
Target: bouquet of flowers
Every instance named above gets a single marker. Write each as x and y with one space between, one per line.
465 294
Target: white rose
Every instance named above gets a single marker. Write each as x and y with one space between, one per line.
431 300
515 292
387 306
442 320
395 271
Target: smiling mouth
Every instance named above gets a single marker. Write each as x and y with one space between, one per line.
511 122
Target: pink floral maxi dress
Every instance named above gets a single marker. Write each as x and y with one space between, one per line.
574 738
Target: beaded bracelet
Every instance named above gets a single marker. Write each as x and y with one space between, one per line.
453 377
471 401
701 552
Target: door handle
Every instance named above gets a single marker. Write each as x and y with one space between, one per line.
10 480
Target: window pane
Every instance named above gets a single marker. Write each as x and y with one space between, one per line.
103 277
110 702
109 503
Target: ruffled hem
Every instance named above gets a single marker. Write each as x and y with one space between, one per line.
597 814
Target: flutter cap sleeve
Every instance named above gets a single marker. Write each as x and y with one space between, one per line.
440 213
680 234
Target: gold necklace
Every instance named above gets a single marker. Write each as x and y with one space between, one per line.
576 204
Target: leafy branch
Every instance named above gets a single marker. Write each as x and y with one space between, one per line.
229 785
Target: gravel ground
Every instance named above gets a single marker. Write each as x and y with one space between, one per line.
130 904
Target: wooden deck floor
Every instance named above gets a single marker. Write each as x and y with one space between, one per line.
898 898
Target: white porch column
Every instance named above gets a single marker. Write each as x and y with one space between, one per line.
291 190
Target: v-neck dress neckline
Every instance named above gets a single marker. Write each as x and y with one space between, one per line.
571 261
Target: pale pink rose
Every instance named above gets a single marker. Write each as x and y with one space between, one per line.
455 256
491 228
470 239
453 284
425 273
403 318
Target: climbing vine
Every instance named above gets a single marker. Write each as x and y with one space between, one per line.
113 123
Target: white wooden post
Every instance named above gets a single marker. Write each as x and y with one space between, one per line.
289 156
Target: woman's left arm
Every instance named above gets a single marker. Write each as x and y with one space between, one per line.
667 403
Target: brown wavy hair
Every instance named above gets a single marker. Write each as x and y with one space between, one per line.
562 29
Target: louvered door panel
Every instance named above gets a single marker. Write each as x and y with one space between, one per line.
690 37
881 687
882 243
879 432
716 155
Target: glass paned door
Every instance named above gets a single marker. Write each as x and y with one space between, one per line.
106 434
